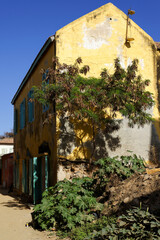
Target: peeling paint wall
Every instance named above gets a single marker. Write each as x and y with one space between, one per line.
98 38
95 37
28 140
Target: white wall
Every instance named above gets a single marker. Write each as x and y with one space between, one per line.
5 149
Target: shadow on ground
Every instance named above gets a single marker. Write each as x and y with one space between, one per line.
14 200
15 204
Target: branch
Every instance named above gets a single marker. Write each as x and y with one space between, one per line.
77 160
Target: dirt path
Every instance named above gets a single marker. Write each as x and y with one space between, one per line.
13 218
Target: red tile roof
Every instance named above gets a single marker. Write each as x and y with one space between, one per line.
157 45
6 141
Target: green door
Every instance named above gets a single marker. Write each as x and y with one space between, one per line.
24 177
46 172
30 176
37 180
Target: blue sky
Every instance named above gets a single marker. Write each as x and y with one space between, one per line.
25 26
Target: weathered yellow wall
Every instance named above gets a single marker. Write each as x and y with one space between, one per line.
36 132
98 38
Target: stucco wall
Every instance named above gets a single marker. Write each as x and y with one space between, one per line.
28 140
98 38
5 148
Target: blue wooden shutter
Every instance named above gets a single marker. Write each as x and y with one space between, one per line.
22 114
43 76
45 82
29 120
30 106
24 177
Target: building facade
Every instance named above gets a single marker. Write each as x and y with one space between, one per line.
7 170
6 147
98 38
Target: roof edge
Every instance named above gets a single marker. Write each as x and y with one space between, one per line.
39 55
85 15
107 5
157 45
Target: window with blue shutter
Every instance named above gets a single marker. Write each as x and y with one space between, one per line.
45 81
15 121
30 106
22 114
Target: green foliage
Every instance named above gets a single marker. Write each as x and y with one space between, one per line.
140 224
136 224
71 207
123 167
66 205
80 233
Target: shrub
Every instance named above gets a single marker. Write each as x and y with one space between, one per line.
80 233
135 224
70 207
123 167
66 205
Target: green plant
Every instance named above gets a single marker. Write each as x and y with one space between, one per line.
136 224
140 224
66 205
80 233
123 167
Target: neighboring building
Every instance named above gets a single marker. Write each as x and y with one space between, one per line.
6 146
98 38
7 170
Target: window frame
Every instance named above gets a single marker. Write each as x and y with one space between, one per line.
15 121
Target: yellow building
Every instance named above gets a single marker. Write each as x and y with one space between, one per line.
98 38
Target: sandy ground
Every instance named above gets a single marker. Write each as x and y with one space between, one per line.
13 218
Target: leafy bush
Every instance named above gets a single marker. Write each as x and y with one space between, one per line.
140 224
123 167
135 224
80 233
71 207
66 205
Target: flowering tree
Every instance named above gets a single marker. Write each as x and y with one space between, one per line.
98 100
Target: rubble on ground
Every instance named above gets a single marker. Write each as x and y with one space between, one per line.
139 190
